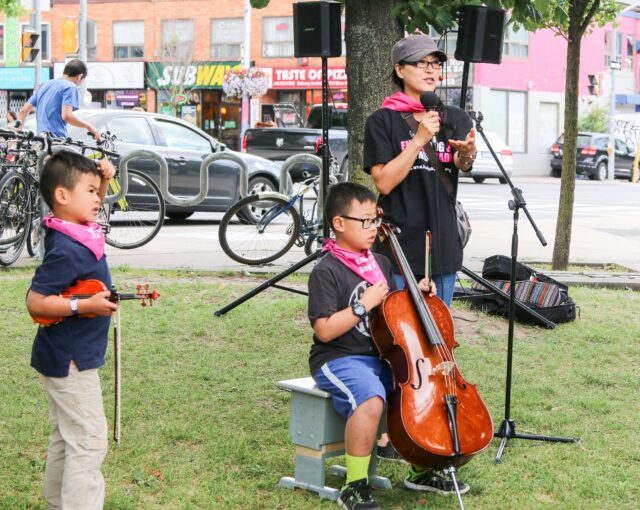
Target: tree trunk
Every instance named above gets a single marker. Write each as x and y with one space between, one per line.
371 32
564 221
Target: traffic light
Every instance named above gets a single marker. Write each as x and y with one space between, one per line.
594 84
69 36
29 40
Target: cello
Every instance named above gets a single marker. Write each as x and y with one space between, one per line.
435 419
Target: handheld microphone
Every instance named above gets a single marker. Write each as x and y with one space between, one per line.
429 100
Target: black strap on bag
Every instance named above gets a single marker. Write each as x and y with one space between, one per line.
433 159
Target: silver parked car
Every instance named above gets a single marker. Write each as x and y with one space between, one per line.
485 167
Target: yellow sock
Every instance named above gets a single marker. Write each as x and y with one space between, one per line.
357 468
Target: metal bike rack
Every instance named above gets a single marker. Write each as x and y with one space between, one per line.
123 168
285 178
204 179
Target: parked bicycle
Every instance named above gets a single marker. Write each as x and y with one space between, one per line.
283 221
19 195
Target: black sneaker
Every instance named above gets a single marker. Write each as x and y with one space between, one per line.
388 452
355 496
431 481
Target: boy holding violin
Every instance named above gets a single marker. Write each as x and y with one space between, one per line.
68 353
344 287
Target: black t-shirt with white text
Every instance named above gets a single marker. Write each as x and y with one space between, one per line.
334 287
420 202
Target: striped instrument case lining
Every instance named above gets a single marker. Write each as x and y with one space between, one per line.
541 294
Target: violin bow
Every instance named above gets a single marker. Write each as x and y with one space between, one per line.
427 255
117 351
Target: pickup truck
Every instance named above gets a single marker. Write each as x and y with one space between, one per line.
280 142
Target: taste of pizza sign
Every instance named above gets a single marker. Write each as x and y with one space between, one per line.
307 77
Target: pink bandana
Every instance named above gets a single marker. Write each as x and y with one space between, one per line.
88 234
400 102
363 264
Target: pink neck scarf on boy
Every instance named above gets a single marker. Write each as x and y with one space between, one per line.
363 264
400 102
88 234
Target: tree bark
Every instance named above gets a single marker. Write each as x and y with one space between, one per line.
564 221
371 32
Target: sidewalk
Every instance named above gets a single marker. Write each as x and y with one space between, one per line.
602 279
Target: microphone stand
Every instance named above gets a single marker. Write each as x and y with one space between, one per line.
507 428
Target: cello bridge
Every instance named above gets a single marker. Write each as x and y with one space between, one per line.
446 367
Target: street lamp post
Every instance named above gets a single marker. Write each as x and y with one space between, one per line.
37 9
612 110
82 44
246 63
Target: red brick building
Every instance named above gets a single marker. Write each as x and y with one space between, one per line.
154 53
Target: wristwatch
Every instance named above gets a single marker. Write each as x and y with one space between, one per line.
17 123
74 305
359 310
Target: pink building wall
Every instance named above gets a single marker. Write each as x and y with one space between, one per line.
544 69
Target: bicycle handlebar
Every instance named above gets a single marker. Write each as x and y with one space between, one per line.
26 136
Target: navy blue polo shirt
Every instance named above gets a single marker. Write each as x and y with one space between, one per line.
83 340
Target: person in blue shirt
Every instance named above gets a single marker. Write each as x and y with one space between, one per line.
68 353
56 100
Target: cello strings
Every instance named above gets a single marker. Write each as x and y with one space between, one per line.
433 331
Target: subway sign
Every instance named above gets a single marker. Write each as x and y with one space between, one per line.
200 76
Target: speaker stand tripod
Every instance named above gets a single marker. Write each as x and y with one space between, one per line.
324 183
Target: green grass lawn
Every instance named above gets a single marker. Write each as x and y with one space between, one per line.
205 427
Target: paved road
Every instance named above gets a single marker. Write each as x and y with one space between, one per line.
606 228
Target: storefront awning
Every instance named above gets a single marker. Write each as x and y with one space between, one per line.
202 75
110 75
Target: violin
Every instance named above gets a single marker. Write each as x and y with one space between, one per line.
85 289
435 418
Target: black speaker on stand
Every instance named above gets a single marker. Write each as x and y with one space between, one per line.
316 33
480 37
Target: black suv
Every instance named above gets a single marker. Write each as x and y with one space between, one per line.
592 158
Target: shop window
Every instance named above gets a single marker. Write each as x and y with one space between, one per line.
1 41
177 39
129 129
45 39
277 37
226 38
516 44
509 118
128 39
181 137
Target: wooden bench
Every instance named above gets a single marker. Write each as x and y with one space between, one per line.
318 433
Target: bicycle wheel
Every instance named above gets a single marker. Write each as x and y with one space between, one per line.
34 234
271 237
14 207
134 220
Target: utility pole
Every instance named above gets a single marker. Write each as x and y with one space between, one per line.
246 63
611 149
37 10
82 44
